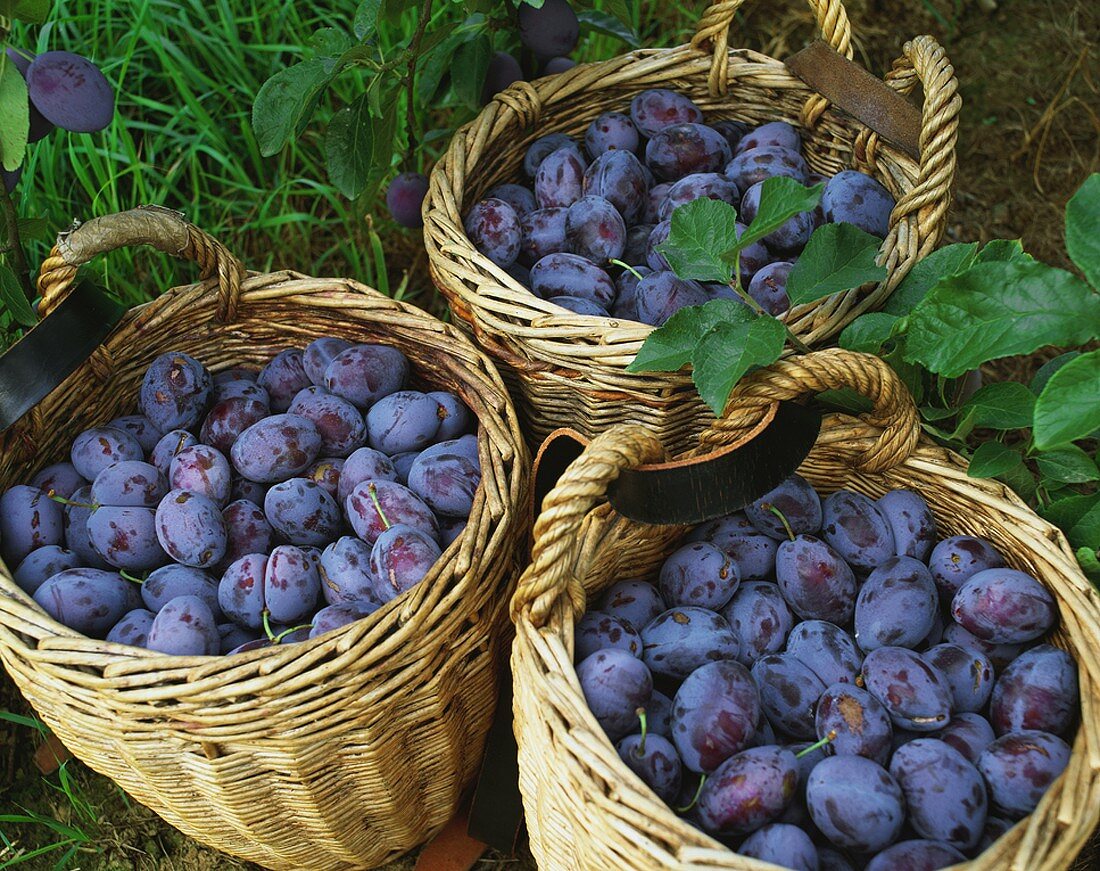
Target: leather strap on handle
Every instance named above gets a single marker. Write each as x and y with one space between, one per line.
713 31
163 229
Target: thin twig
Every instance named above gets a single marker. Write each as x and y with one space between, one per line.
796 342
410 79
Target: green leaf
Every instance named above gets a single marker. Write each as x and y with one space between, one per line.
13 298
838 257
434 65
868 332
997 310
728 351
1068 465
1040 379
1004 405
1005 251
33 229
701 233
949 260
845 399
285 100
672 345
471 63
330 42
14 115
1082 219
1020 479
32 11
1069 406
1089 562
365 22
359 146
602 22
781 198
1078 517
992 459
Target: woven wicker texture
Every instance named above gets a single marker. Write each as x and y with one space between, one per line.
339 752
570 370
586 809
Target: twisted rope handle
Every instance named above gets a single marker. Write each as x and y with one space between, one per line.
164 229
714 26
550 575
924 62
893 412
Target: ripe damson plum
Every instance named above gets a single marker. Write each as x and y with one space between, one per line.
680 640
815 581
855 803
454 417
954 560
658 193
699 185
1038 690
571 275
302 512
714 714
615 684
405 196
833 860
598 631
203 470
748 790
493 228
559 180
551 30
446 482
403 421
968 733
852 197
760 618
774 134
769 287
241 590
60 478
581 306
242 488
857 530
734 131
682 149
558 65
170 581
594 229
365 373
620 178
752 551
70 91
756 164
43 563
397 504
233 636
858 721
788 691
1004 606
276 448
655 761
292 585
661 294
969 675
911 521
174 392
325 473
365 464
520 198
170 444
185 627
1019 767
1000 655
89 601
915 855
126 537
796 500
658 108
828 651
234 373
791 236
320 352
283 377
994 828
542 232
502 71
914 692
626 297
450 528
346 574
637 237
754 256
95 449
130 482
944 792
659 715
402 465
543 147
140 428
655 260
897 605
190 529
636 602
133 628
698 574
77 537
781 844
339 423
332 617
611 131
29 519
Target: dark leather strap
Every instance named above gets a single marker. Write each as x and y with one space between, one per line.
863 96
36 364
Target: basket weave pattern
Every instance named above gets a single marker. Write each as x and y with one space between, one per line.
338 752
586 809
569 370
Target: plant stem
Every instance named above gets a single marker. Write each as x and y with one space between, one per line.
695 798
267 625
808 750
14 246
782 518
410 79
629 269
377 505
641 745
796 342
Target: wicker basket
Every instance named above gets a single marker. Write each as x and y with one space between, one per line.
570 370
340 752
585 808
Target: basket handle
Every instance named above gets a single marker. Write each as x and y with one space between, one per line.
714 26
553 574
162 228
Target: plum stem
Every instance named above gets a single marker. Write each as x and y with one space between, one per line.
829 738
767 506
629 269
695 798
286 632
377 505
52 494
130 577
639 752
267 625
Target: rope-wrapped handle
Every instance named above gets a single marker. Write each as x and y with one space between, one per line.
893 410
713 31
163 229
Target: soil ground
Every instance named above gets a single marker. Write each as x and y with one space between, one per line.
1030 135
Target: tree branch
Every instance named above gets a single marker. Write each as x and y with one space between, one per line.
410 78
